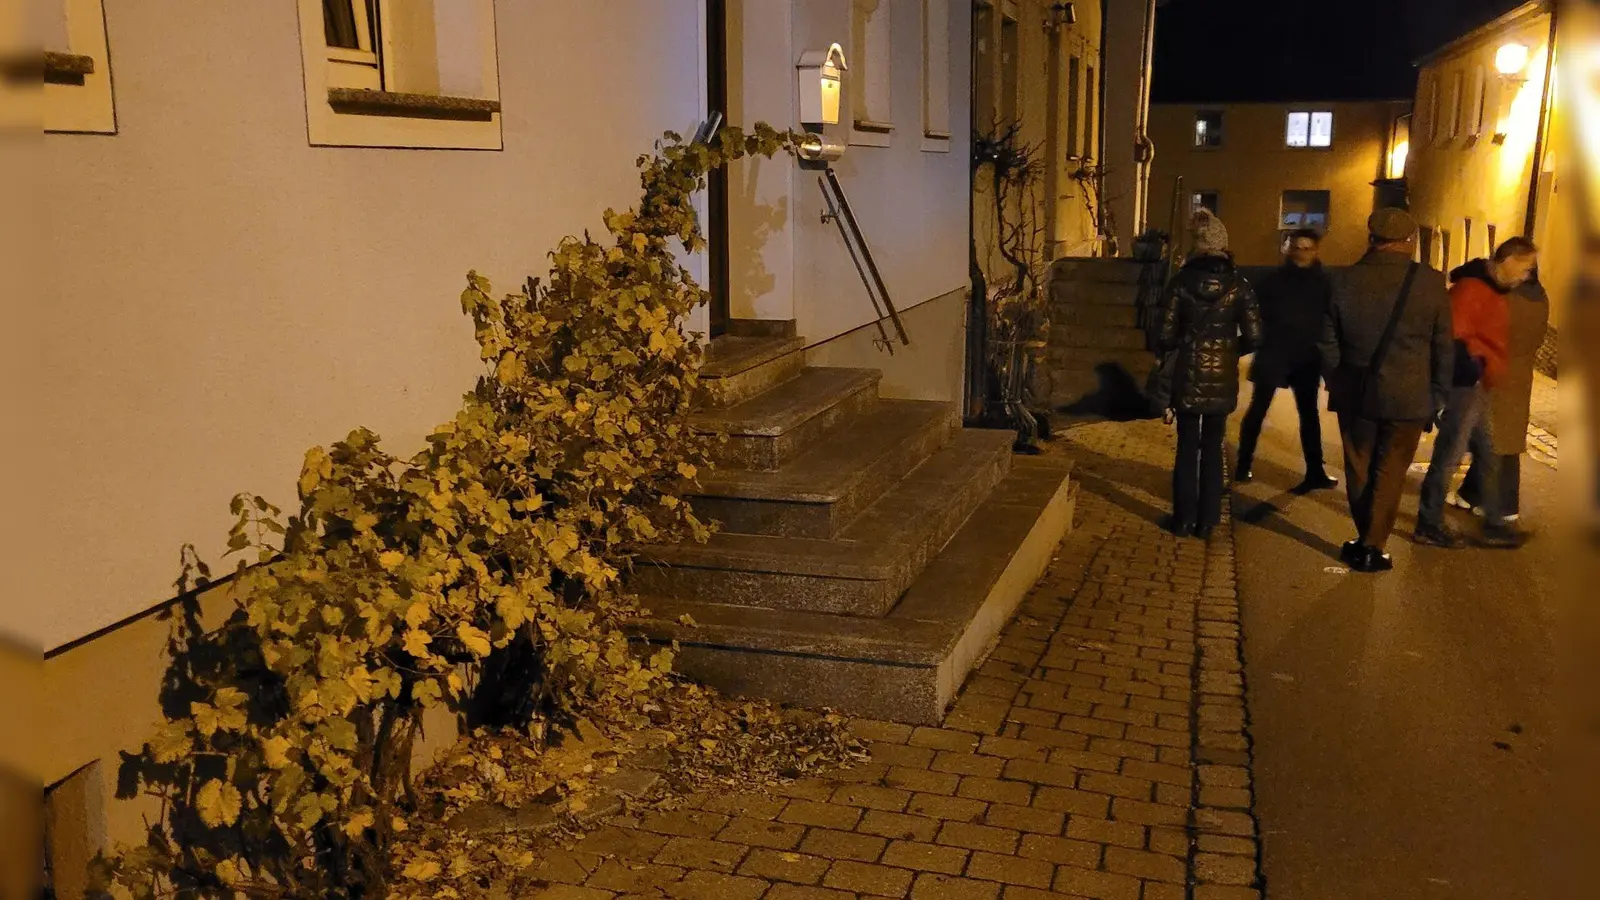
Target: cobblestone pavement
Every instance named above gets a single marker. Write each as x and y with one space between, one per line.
1099 752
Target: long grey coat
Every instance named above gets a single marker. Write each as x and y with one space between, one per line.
1509 401
1416 377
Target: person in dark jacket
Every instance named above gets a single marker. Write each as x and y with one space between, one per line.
1482 326
1382 414
1209 318
1293 300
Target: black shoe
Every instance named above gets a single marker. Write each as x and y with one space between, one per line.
1436 536
1317 481
1243 475
1504 537
1204 532
1350 552
1180 529
1373 560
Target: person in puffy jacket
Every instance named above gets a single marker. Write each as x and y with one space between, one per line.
1209 319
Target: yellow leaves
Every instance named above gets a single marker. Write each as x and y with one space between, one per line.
416 643
317 466
224 716
218 803
171 743
358 822
688 471
640 242
477 642
391 559
275 750
422 870
418 613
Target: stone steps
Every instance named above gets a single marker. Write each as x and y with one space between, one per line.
1095 315
737 368
861 572
1093 293
1112 271
817 494
904 666
1095 337
765 431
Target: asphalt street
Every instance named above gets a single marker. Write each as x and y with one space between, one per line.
1402 722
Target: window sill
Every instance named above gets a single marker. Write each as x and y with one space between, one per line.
52 66
874 127
936 141
361 102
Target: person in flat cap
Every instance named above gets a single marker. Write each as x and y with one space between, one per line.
1208 319
1388 355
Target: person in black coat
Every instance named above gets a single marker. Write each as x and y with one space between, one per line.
1294 300
1209 319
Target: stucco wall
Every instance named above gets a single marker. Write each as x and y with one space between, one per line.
1458 178
1253 167
219 295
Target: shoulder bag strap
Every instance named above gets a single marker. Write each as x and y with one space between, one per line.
1387 339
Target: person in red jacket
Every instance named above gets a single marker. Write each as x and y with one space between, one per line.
1482 324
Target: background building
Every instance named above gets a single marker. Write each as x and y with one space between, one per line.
1489 146
1268 168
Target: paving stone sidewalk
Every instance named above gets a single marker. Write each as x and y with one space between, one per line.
1099 752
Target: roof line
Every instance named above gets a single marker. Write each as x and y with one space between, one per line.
1528 10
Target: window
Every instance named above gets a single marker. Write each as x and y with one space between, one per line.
1091 115
1208 129
936 70
1475 101
1466 238
1204 200
983 118
1425 242
1074 106
1309 129
1453 111
1428 103
1493 242
77 68
1010 60
1445 256
387 73
1305 209
870 72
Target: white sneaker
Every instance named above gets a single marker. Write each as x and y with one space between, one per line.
1454 499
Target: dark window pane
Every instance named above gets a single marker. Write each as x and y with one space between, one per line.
339 24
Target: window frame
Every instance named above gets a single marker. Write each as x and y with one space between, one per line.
937 120
871 74
78 95
1197 201
1327 210
458 42
1310 131
1074 106
1457 92
1478 98
1200 115
360 61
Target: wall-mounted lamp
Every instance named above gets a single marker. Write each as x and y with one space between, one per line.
1060 14
1511 59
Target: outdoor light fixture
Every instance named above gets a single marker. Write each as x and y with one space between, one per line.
1511 59
1062 14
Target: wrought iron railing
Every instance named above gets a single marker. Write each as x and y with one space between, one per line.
840 214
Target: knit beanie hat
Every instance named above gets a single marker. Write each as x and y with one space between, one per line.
1210 235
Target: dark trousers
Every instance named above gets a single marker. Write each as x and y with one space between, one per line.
1304 383
1377 455
1197 470
1510 484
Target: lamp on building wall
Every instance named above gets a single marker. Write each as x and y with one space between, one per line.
1511 60
1061 14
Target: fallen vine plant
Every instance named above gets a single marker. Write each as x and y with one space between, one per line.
483 575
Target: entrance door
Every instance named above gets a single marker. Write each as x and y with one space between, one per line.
716 224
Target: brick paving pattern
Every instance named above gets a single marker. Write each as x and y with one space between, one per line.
1100 752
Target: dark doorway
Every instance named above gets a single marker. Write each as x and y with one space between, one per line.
717 181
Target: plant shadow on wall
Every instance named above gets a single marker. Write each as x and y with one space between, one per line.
757 223
1010 262
484 575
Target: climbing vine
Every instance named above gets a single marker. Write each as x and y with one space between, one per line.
484 574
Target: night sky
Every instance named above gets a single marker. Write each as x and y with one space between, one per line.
1213 51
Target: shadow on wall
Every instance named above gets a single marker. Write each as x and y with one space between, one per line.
1118 396
758 222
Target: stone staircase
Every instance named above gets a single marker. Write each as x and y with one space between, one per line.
871 549
1097 350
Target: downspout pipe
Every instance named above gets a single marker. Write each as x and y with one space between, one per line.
1542 139
1141 191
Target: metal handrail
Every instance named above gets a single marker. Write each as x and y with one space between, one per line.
840 213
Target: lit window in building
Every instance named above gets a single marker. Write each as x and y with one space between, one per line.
1208 129
1203 200
1309 129
1305 209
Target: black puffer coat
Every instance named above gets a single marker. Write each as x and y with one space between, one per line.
1210 318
